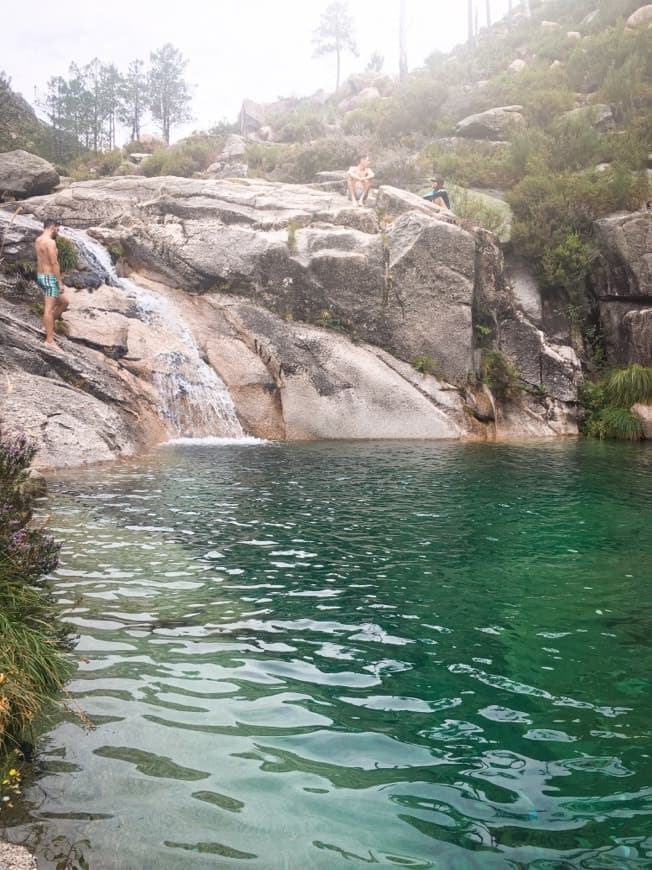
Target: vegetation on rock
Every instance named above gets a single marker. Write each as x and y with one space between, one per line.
33 664
608 403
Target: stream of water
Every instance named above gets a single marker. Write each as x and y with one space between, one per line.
342 655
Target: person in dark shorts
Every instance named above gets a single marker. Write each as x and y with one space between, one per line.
49 279
438 195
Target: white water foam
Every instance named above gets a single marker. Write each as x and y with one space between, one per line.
194 400
213 441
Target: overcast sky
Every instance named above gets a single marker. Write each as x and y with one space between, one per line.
259 49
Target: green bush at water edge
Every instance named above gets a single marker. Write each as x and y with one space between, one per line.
33 664
607 403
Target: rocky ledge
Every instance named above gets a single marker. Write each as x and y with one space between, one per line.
323 320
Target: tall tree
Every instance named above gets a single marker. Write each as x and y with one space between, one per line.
335 34
402 60
509 10
133 98
111 85
470 22
526 9
169 93
489 14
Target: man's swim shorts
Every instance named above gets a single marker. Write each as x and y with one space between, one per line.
49 284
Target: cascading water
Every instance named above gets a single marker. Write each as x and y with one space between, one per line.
194 400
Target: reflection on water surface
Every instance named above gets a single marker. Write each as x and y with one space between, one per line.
339 655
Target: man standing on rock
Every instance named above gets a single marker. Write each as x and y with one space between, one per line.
49 279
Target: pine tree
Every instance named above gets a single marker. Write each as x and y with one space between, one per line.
133 98
169 93
335 34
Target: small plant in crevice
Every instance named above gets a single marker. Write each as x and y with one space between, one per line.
424 364
293 226
483 334
500 375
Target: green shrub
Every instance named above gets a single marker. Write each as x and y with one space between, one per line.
576 144
191 155
606 403
366 120
298 164
500 375
625 387
566 265
67 255
263 159
153 165
301 127
469 164
109 162
615 423
398 167
412 109
32 664
481 211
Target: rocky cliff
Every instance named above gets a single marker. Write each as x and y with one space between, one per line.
316 315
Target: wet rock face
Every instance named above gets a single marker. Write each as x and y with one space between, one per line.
622 282
69 402
23 174
310 309
306 254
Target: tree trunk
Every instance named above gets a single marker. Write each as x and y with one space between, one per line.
470 21
403 62
509 11
489 14
337 81
526 8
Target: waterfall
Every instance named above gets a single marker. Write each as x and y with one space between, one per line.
194 401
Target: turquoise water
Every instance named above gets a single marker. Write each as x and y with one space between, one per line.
342 655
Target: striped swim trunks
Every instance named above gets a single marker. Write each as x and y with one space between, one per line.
49 284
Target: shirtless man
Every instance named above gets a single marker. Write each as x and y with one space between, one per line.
358 179
49 279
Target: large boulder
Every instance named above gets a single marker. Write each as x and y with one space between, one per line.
641 19
495 124
67 400
624 265
334 388
622 282
17 235
23 174
644 414
306 253
315 313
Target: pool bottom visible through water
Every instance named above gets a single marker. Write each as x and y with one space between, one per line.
432 655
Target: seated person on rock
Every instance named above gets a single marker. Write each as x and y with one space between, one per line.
438 195
358 180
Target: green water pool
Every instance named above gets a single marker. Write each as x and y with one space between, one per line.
340 655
